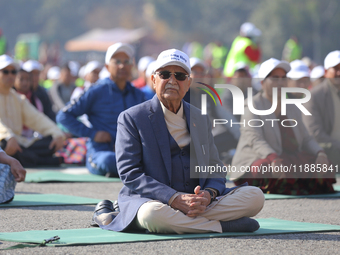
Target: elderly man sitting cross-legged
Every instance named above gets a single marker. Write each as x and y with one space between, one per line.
154 158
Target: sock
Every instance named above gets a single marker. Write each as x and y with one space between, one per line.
243 224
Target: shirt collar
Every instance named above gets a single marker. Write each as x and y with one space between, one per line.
166 112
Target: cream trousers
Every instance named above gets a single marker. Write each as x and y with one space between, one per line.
156 217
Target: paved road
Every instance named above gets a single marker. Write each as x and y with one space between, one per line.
67 217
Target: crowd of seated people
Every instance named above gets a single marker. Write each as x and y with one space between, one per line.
274 144
87 115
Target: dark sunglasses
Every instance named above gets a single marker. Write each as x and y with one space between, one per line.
14 72
164 75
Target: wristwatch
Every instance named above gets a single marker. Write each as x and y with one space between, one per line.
212 195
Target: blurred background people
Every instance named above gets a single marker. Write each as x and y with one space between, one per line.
292 49
317 75
102 104
298 77
241 79
148 89
34 69
142 66
3 43
245 48
22 85
225 137
91 76
61 91
15 113
275 144
324 105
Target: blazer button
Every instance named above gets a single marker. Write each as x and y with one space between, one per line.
183 153
187 184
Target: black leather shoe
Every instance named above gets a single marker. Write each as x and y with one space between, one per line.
105 206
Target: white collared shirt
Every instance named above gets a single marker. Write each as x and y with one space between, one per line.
177 125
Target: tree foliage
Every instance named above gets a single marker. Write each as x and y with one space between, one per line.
314 22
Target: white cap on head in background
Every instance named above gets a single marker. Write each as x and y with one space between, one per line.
298 70
31 65
269 65
118 47
74 68
255 82
144 62
250 30
173 57
317 72
241 66
81 72
91 66
197 62
104 73
332 59
6 60
308 61
53 73
151 67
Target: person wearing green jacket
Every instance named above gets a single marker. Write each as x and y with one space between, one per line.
292 50
244 49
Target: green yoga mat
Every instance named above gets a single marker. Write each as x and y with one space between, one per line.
89 236
55 176
277 196
48 200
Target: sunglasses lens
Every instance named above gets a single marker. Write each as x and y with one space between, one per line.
180 76
164 75
14 72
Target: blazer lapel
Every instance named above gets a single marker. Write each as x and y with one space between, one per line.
193 128
160 131
195 144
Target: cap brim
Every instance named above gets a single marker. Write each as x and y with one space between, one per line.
283 64
297 75
174 63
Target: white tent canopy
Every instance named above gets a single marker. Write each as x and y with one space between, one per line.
100 39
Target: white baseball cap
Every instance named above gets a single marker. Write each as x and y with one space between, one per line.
250 30
241 66
104 73
197 62
31 65
332 59
6 60
298 70
118 47
91 66
173 57
317 72
150 69
81 72
53 73
144 62
269 65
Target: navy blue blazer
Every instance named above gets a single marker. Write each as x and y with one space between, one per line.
144 158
